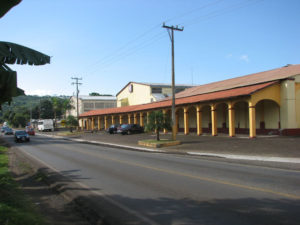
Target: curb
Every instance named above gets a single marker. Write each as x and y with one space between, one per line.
106 144
249 157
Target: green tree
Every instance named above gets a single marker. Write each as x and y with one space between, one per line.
71 122
46 109
19 120
67 105
94 94
157 122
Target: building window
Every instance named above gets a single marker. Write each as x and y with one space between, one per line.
99 105
88 105
156 90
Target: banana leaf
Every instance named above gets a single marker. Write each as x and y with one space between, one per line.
8 84
6 5
11 53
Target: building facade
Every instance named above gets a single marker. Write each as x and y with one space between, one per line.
135 93
87 103
262 103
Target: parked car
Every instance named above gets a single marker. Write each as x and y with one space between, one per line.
113 129
8 131
130 129
21 135
3 129
30 131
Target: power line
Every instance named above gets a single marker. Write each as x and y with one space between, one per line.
221 12
122 49
132 51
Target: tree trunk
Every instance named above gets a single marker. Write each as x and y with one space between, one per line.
157 134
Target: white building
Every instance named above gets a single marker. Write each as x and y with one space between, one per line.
87 103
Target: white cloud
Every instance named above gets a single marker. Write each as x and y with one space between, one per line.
229 56
244 58
39 92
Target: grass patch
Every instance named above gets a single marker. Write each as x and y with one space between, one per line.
15 207
68 133
158 144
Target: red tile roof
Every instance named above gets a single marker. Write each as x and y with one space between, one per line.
256 78
224 94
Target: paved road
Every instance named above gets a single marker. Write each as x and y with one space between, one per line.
169 189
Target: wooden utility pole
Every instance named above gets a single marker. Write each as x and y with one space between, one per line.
171 34
77 92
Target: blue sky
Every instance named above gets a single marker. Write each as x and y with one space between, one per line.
111 42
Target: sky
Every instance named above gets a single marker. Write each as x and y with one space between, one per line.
109 43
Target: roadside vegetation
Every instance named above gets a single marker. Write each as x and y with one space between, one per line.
15 207
157 122
22 108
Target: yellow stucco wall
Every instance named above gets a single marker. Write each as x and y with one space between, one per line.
288 105
141 94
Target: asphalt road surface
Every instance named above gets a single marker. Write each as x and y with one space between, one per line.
173 189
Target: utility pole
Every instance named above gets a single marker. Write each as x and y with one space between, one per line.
77 91
170 30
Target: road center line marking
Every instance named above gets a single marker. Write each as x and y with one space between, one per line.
95 154
192 176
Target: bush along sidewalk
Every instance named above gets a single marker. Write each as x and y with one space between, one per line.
15 207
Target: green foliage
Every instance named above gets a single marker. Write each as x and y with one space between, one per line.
46 109
71 122
94 94
20 119
97 94
157 122
15 208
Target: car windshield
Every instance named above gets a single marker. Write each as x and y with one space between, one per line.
20 132
125 125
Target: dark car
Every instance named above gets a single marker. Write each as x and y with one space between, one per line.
3 129
130 129
113 128
8 131
21 135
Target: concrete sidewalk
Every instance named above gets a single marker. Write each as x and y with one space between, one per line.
262 148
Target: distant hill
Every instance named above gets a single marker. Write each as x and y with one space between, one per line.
27 101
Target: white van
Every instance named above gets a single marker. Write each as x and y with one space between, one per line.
45 125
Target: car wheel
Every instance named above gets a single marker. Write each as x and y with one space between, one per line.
128 132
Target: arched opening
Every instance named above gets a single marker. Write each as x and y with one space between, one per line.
137 118
116 119
241 110
206 119
125 119
222 118
101 122
109 121
192 112
267 114
180 118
